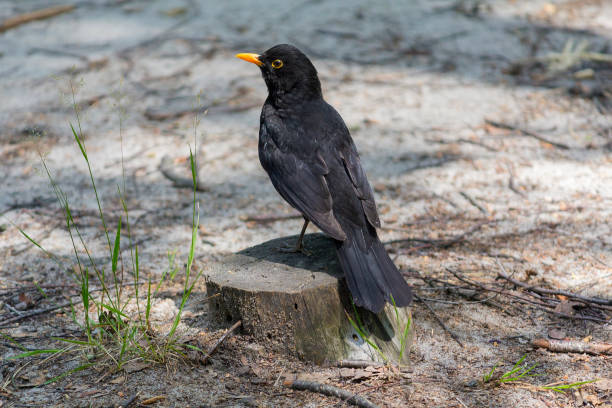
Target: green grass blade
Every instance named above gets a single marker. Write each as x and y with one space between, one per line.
365 337
13 341
404 337
515 368
394 308
194 172
564 387
487 377
359 322
34 353
78 140
30 238
114 310
192 347
116 248
66 373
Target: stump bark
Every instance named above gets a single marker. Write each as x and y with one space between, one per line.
300 305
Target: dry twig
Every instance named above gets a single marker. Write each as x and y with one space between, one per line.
35 15
440 322
33 313
511 185
538 301
474 203
572 346
526 132
357 364
153 400
544 291
331 391
130 400
221 340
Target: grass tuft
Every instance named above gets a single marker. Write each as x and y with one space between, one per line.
519 372
109 335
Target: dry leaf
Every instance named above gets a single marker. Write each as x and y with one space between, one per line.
566 307
118 380
556 333
361 374
603 385
316 377
592 398
135 366
35 381
23 297
347 373
257 370
175 12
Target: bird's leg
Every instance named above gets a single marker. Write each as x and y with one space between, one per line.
300 242
299 246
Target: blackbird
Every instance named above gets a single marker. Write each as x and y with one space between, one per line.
311 159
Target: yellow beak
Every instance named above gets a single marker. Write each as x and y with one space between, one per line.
254 58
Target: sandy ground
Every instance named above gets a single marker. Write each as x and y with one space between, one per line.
416 82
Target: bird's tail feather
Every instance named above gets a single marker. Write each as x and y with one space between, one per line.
371 275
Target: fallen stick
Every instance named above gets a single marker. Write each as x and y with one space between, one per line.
361 364
357 364
546 307
526 132
544 291
440 322
153 400
35 15
572 346
495 290
33 313
130 400
511 185
221 340
474 203
330 391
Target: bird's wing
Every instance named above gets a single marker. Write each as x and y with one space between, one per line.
302 184
352 165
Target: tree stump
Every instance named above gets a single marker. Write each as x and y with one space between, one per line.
300 305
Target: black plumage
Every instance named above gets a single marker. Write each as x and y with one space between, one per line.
307 150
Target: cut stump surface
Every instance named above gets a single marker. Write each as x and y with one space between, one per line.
298 304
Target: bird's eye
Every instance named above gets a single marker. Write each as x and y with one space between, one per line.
276 64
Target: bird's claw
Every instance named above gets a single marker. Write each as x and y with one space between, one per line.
295 249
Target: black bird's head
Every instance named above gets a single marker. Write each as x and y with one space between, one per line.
288 73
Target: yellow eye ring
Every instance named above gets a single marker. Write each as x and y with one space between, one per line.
276 64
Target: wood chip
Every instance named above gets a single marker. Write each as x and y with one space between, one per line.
153 400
